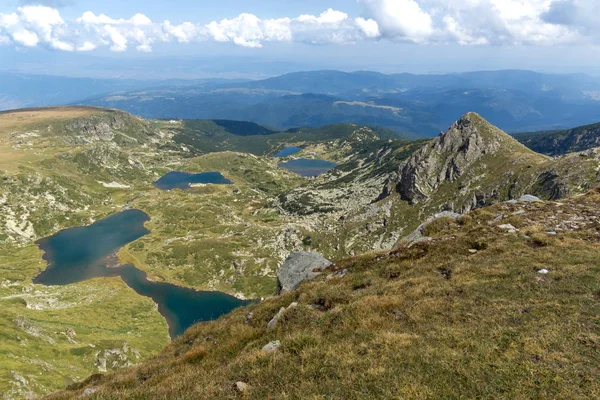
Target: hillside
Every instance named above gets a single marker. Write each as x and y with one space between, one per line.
558 143
478 311
70 167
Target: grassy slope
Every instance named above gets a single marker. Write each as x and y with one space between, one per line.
431 321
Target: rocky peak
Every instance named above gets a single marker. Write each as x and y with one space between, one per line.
449 156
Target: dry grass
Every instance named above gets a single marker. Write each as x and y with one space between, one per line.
433 321
21 119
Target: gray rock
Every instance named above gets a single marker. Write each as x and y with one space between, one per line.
271 347
527 198
241 387
88 391
273 322
299 267
507 227
520 212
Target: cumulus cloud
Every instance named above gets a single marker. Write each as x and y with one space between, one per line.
401 19
466 22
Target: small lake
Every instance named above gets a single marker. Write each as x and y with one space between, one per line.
307 167
183 180
83 253
288 151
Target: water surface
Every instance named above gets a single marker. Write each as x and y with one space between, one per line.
288 151
83 253
307 167
183 180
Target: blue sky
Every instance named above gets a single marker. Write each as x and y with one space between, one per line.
386 35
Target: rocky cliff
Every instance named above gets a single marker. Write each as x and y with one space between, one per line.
453 154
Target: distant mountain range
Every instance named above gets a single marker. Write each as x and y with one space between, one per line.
413 105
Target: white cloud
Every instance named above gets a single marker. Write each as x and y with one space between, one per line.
26 38
86 46
466 22
182 33
401 19
369 27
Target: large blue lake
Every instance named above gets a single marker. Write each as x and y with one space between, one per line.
82 253
307 167
288 151
183 180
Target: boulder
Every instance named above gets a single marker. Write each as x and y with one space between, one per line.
273 322
529 199
241 386
299 267
271 347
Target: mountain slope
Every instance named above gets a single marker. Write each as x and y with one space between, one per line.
557 143
476 312
67 167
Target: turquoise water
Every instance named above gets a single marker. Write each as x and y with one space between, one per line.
288 151
307 167
83 253
182 180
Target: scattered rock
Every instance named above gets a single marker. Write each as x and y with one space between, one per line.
241 387
249 318
472 251
530 199
273 322
271 347
543 271
509 228
88 391
520 212
551 233
299 267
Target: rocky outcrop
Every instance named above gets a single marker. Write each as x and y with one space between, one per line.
299 267
448 157
104 126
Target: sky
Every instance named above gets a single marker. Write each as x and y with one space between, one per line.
385 35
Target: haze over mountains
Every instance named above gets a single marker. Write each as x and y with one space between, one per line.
415 105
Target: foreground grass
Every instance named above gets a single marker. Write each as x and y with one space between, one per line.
465 315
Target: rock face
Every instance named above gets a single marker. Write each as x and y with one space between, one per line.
105 126
448 157
299 267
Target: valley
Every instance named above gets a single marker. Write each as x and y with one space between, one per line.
228 231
